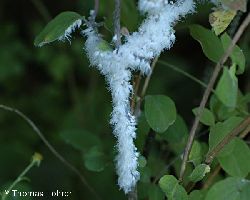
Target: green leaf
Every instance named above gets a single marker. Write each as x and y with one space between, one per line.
197 195
237 55
221 130
176 132
222 112
160 112
195 155
59 28
227 88
155 193
207 116
94 159
210 43
237 163
104 46
199 172
173 190
176 135
230 189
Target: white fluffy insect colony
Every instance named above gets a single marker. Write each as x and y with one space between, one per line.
154 35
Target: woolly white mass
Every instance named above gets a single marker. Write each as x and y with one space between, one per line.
154 35
67 33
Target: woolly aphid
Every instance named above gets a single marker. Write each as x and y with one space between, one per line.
70 30
155 35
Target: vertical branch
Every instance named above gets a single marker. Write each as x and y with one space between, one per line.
144 88
207 92
96 8
117 25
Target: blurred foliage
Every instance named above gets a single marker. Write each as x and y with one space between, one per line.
68 100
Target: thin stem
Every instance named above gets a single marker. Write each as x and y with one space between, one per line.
208 91
19 178
136 87
96 8
245 132
117 25
145 87
211 177
146 83
51 148
211 154
218 167
183 73
133 194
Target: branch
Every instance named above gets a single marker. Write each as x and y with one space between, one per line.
96 8
51 148
193 78
211 177
218 167
117 25
243 125
145 87
208 91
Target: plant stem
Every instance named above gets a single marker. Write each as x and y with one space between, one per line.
146 83
211 177
144 88
183 73
117 25
211 154
51 148
96 8
207 92
19 178
245 132
218 167
136 86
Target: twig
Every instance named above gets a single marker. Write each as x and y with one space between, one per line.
183 73
36 159
218 167
245 132
51 148
211 177
117 25
136 86
96 8
208 91
145 87
211 154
